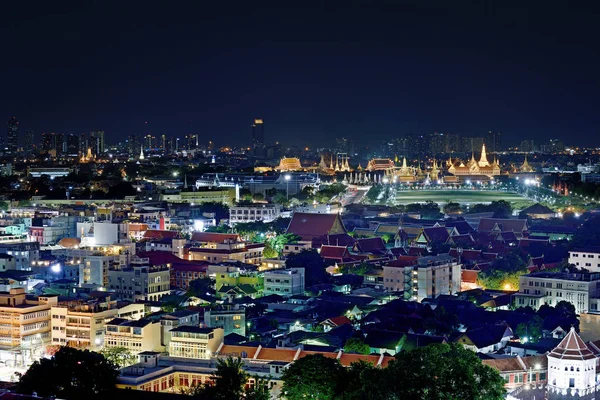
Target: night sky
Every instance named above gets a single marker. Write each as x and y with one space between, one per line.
314 72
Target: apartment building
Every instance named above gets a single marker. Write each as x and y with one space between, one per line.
539 288
251 253
25 322
587 258
423 277
81 324
284 282
137 335
195 342
175 319
254 212
140 281
231 318
25 253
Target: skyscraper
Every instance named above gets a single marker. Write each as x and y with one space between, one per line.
72 144
493 141
258 134
96 142
29 145
11 135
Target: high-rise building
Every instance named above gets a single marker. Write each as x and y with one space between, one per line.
437 143
72 145
29 145
53 141
11 136
341 145
493 142
96 142
452 143
163 142
258 136
527 146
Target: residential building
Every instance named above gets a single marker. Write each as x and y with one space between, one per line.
284 282
195 342
586 258
175 319
296 247
233 281
25 253
539 288
423 277
140 280
7 262
137 335
25 322
251 253
254 212
81 324
231 318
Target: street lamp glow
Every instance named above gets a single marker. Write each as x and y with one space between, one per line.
287 177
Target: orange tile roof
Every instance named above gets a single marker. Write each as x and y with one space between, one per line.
237 350
270 354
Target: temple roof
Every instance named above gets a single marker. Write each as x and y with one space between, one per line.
572 348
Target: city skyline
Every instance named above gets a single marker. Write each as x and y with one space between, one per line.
312 72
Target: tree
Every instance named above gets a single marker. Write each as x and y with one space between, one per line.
71 374
442 371
357 346
452 208
201 287
314 376
120 190
120 356
312 263
230 378
364 381
4 205
501 208
532 330
259 391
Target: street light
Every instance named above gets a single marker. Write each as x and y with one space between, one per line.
287 186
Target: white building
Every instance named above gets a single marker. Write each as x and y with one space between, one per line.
140 281
539 288
254 212
195 342
571 368
284 282
82 324
587 258
424 277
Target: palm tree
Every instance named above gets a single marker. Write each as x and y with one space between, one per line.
230 378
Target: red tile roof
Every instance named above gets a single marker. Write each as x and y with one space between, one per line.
436 234
312 225
572 348
403 261
341 320
371 245
334 252
212 237
157 234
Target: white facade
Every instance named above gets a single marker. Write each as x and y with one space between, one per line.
254 212
430 277
195 342
286 282
539 288
571 367
585 258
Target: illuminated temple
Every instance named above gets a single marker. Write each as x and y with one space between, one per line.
289 164
474 168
